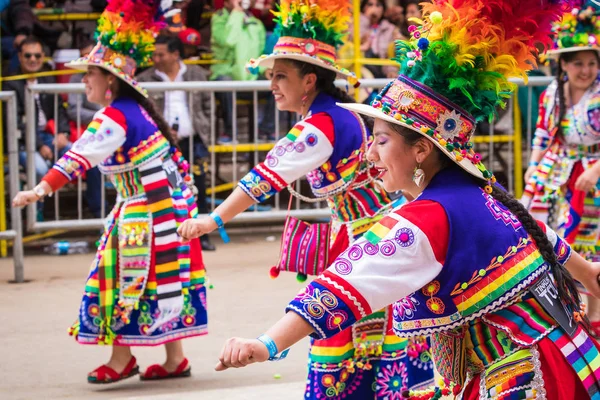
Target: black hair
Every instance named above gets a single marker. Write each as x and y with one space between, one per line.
566 285
173 43
560 92
363 4
30 40
126 90
326 84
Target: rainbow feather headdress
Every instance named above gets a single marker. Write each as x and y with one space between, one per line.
578 30
309 31
455 70
126 33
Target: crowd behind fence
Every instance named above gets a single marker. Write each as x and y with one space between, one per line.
228 163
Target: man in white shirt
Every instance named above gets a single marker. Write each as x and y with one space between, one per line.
191 125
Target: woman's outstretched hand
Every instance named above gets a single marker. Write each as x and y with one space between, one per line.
238 353
194 228
24 198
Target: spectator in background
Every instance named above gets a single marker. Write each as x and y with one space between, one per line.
191 39
261 9
81 113
377 34
22 22
395 14
186 122
236 37
412 9
31 60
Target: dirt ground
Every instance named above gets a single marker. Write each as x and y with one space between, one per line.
40 360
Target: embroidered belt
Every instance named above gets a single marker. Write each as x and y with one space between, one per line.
128 184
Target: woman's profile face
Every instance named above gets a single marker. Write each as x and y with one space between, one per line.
582 69
96 85
393 158
287 86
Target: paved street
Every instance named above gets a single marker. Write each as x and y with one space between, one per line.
40 361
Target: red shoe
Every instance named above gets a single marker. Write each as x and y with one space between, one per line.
106 374
156 372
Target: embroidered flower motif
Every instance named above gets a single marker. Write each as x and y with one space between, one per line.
392 381
449 125
405 237
405 308
406 101
315 178
336 319
594 118
311 139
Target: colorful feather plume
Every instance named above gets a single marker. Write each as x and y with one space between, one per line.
129 27
467 49
323 20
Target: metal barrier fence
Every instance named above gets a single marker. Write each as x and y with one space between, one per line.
16 232
513 153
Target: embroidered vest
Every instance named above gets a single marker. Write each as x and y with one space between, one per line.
143 143
490 260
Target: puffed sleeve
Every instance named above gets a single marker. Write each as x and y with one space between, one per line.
307 146
103 136
398 256
561 248
542 136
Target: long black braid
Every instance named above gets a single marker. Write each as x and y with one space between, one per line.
567 290
564 281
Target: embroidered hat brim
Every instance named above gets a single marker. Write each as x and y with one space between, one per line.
269 60
98 59
370 111
555 54
305 50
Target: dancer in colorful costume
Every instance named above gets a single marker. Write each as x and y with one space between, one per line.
563 173
145 286
471 266
327 146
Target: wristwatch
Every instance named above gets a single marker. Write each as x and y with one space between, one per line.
39 191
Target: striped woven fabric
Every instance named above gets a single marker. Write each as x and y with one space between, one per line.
583 356
166 242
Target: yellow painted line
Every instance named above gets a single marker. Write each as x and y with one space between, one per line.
39 74
69 17
241 148
367 61
220 188
494 139
43 235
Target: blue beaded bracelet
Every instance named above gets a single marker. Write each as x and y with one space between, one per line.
533 163
272 347
220 225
